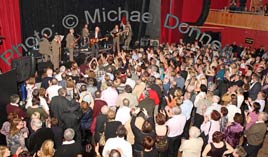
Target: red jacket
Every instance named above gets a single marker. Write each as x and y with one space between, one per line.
152 95
15 109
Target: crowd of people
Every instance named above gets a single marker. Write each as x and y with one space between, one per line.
145 102
257 7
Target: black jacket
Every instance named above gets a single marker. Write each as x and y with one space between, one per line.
58 106
37 138
139 135
69 150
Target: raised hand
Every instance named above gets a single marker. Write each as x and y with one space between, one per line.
170 102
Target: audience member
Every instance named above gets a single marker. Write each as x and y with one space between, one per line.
69 146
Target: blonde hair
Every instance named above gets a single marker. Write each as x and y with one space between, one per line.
47 149
3 149
13 127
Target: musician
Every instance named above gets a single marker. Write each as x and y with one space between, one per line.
45 47
70 43
96 35
85 31
56 51
128 35
116 38
85 37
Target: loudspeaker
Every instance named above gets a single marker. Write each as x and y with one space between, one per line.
204 13
144 42
24 66
154 43
41 67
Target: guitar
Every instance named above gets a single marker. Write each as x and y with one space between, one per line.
72 45
95 40
116 34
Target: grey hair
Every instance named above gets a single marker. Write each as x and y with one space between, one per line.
62 68
176 110
194 132
69 134
36 123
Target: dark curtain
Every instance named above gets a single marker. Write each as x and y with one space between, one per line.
8 86
142 6
40 14
11 30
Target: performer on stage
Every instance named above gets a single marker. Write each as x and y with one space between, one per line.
128 35
70 43
45 47
116 39
94 41
85 31
56 51
85 37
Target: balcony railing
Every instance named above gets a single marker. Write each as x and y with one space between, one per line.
247 20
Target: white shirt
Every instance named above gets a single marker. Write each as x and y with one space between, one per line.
214 106
176 125
58 76
199 96
109 95
186 108
117 143
43 103
123 114
30 89
68 142
232 110
14 104
53 91
96 35
209 128
130 82
261 102
240 99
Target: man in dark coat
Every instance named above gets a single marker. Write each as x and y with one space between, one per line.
69 147
59 105
148 104
255 136
255 87
39 135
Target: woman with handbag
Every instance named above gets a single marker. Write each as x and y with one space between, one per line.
210 125
161 131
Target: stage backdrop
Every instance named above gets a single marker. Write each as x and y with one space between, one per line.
38 15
